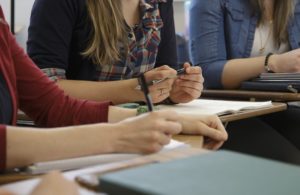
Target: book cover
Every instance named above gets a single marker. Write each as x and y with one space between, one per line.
222 172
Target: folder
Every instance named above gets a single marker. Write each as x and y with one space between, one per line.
222 172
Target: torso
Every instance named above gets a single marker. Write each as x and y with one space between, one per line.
5 102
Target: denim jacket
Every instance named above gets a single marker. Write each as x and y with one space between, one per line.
221 30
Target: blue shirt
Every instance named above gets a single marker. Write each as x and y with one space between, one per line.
5 103
221 30
60 31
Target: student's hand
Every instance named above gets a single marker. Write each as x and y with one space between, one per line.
55 183
189 86
146 133
4 192
288 62
160 91
210 126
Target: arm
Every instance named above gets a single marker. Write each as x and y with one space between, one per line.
144 134
208 48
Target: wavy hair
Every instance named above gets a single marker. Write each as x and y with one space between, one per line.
109 32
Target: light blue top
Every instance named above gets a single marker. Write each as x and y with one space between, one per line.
221 30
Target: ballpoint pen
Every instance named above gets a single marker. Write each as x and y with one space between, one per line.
179 72
144 88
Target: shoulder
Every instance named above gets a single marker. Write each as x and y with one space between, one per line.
54 6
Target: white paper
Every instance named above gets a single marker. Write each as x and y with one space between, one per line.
219 107
76 163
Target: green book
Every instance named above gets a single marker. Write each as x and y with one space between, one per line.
217 173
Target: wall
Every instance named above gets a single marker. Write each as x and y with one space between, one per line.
22 10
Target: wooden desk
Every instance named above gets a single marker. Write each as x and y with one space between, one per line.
277 107
25 187
250 95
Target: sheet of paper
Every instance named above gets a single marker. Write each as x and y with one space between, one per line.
76 163
219 107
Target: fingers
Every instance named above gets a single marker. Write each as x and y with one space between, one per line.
55 183
162 72
208 126
4 192
212 133
212 145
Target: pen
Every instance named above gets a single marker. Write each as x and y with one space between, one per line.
179 72
145 89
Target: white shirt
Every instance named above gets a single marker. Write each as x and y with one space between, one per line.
263 38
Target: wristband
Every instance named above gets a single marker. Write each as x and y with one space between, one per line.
267 67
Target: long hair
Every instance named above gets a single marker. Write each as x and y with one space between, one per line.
283 12
109 32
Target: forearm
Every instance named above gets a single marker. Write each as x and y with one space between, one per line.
239 70
117 92
117 114
27 146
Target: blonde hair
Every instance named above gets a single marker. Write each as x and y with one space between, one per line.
109 32
283 12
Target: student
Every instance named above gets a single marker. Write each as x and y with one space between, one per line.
52 183
77 42
232 41
24 86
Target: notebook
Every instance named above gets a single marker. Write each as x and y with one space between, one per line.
285 82
215 173
76 163
219 107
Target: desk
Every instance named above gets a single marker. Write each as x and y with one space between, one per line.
277 107
25 187
250 95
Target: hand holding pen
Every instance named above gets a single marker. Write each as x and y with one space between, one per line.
188 86
181 86
160 90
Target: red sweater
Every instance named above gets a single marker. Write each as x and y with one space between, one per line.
40 98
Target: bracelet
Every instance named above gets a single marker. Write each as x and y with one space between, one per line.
267 67
141 109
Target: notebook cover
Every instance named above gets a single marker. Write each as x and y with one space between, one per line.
222 172
271 86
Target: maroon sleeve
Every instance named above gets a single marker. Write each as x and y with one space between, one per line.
2 147
43 101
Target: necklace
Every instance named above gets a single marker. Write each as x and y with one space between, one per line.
263 46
